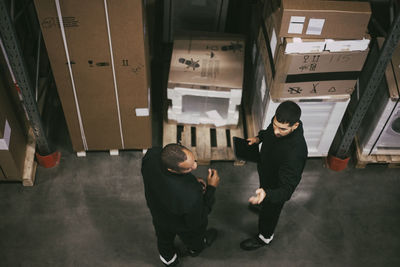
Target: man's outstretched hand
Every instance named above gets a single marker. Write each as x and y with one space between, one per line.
213 177
253 140
259 197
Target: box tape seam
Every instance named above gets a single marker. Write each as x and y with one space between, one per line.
82 130
114 76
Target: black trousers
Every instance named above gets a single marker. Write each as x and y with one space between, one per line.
194 240
268 218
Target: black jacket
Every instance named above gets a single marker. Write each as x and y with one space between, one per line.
281 163
176 201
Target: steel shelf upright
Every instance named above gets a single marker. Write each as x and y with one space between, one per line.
45 154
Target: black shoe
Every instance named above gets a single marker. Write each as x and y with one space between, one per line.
174 263
254 243
256 208
210 236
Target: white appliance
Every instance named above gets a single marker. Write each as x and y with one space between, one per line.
320 122
379 133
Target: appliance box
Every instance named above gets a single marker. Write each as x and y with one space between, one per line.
324 19
13 140
107 49
205 80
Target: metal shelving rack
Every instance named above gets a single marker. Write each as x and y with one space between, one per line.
23 81
370 79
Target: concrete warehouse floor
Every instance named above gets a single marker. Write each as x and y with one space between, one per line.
91 212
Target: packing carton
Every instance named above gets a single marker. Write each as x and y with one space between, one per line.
324 19
13 140
205 80
100 64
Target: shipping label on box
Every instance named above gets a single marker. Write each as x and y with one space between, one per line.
209 63
324 19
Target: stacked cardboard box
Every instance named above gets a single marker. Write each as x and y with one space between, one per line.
13 139
300 63
205 80
98 54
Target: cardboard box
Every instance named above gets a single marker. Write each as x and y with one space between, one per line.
107 50
13 140
270 27
324 19
321 75
206 79
392 73
213 63
318 75
268 60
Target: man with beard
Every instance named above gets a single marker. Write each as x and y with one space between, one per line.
282 159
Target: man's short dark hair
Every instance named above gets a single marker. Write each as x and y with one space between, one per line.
288 112
172 155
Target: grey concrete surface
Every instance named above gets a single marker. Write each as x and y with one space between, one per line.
91 212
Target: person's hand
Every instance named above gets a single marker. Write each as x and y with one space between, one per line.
202 183
213 177
253 140
259 197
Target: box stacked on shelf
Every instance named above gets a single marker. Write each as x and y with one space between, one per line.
205 80
13 139
310 51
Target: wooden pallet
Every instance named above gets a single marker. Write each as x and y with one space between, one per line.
28 175
206 142
392 161
112 152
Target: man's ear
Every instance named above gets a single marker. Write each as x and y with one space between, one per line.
294 127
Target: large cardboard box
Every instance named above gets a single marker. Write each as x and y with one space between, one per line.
206 79
101 70
13 140
207 62
323 74
324 19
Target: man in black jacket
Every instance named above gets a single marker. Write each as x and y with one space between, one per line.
178 201
282 159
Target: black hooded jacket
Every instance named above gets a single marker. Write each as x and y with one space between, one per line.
176 201
281 164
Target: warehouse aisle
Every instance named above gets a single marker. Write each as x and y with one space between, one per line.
91 212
